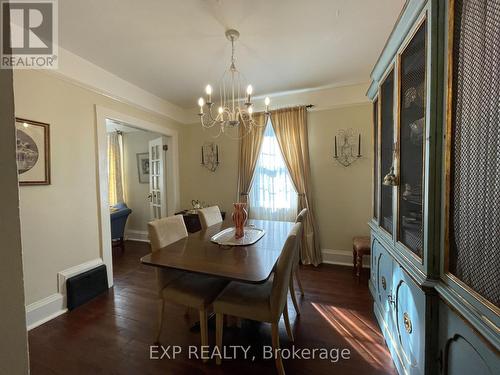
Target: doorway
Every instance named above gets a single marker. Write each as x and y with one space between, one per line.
107 119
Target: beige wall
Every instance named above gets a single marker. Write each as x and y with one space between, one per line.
135 192
13 338
60 221
198 182
341 195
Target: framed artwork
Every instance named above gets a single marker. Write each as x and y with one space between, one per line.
33 152
143 167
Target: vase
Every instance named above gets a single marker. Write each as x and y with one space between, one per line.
239 216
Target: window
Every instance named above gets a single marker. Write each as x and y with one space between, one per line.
272 195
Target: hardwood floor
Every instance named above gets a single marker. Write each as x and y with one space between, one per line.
112 334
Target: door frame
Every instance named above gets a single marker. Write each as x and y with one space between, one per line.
172 166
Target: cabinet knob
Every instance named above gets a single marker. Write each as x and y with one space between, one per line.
407 322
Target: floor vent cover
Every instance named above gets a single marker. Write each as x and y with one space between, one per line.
85 286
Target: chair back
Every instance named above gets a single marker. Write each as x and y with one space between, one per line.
163 232
301 218
282 273
209 216
167 230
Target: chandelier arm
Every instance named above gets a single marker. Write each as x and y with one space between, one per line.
266 119
209 125
210 115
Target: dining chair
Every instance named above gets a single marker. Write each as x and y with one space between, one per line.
295 268
262 302
181 287
209 216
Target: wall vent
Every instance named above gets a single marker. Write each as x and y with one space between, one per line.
85 286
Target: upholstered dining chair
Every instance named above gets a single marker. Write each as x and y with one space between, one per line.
262 302
209 216
301 217
180 287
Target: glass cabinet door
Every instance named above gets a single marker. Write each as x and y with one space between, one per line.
412 97
386 98
473 144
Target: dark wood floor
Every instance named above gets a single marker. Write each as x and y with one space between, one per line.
112 334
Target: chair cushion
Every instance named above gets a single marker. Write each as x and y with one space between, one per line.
361 244
249 301
197 291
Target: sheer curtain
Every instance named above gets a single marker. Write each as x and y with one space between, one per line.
115 168
272 195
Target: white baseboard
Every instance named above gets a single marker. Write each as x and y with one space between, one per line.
342 257
137 235
44 310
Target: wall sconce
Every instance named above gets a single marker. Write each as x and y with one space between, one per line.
347 151
210 156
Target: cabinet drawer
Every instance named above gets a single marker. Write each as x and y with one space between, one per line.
408 314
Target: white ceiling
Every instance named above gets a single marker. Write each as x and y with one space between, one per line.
174 48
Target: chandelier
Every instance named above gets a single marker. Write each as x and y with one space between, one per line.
234 116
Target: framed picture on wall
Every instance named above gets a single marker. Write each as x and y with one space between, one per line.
143 167
33 152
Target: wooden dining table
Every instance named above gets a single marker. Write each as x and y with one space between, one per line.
249 264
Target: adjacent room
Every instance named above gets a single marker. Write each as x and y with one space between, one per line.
267 186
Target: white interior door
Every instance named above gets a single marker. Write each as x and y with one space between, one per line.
157 175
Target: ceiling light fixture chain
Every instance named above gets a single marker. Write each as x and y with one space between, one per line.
235 111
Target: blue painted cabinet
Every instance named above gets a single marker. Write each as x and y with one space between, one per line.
439 313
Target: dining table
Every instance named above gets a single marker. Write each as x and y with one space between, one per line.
248 264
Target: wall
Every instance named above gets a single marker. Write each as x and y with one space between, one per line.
13 343
60 221
135 192
198 182
342 195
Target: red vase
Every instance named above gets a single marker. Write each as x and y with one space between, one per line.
239 216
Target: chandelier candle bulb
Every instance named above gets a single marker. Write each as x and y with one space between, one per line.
249 94
201 103
208 90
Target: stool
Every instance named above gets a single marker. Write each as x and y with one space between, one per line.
360 247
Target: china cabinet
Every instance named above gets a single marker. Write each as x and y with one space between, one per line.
435 228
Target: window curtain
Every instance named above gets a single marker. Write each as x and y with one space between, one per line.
115 168
272 194
290 126
249 150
